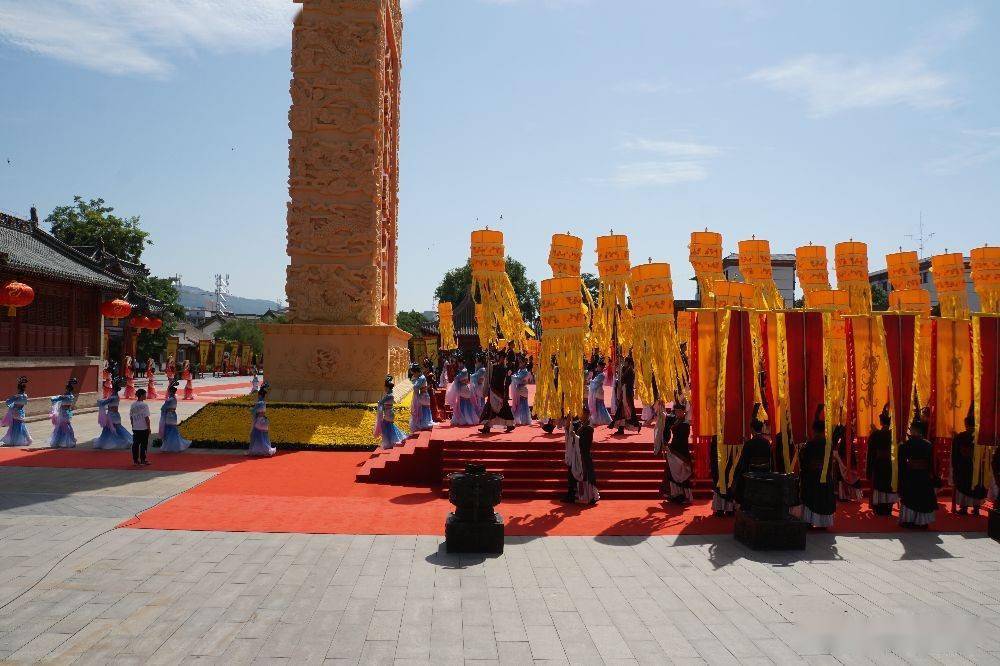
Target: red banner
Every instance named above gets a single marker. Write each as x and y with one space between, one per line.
804 333
986 336
899 346
740 377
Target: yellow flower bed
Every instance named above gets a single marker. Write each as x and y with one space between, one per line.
228 422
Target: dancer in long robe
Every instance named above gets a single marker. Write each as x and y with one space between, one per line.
497 410
459 398
420 405
171 370
967 494
113 435
625 414
917 496
129 379
679 466
150 380
581 475
260 437
519 395
187 377
755 456
170 437
385 419
477 384
818 500
63 436
880 466
599 414
254 383
17 432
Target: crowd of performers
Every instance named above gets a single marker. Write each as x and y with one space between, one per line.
114 435
491 391
132 371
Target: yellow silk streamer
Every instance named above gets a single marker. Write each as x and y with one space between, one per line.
705 254
755 265
851 259
894 452
500 308
781 335
721 448
954 375
977 378
655 350
835 372
948 271
811 267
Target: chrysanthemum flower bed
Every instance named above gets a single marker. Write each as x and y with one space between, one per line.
294 426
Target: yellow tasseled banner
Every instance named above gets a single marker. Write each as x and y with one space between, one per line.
985 263
499 307
446 326
755 265
811 267
612 322
564 331
655 349
835 370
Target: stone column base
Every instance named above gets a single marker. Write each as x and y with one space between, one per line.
327 363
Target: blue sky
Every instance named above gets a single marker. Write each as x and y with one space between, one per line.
794 121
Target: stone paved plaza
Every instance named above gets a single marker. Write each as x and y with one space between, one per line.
74 589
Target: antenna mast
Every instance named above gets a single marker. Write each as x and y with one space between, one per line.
921 237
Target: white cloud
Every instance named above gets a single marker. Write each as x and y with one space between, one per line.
142 37
977 147
831 83
640 174
675 162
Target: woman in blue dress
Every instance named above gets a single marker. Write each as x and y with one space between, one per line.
476 380
385 419
460 398
63 436
260 438
17 433
420 407
113 435
599 414
519 394
170 437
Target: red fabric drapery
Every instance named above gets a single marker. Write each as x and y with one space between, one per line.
804 332
899 345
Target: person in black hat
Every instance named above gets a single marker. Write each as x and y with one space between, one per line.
818 500
756 455
879 467
917 496
497 410
967 494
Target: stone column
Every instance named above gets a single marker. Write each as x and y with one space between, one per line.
341 340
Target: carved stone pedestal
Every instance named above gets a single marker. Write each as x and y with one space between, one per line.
328 363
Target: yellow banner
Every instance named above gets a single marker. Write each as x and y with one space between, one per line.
871 372
954 375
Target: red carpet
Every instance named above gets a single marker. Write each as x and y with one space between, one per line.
315 492
90 459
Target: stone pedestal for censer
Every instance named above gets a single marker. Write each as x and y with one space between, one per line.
474 527
763 522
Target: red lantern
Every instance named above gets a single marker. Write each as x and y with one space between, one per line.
15 295
138 323
115 310
154 323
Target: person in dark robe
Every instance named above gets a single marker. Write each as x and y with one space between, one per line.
496 411
879 465
723 503
917 495
995 487
756 455
967 495
625 414
679 465
581 475
818 500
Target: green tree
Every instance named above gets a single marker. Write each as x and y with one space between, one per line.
152 343
880 298
92 223
242 330
410 321
593 284
456 283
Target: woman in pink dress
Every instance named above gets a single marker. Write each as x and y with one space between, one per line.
129 379
186 376
150 380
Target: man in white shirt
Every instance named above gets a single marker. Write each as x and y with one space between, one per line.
139 416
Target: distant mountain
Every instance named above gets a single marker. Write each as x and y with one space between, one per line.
193 297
